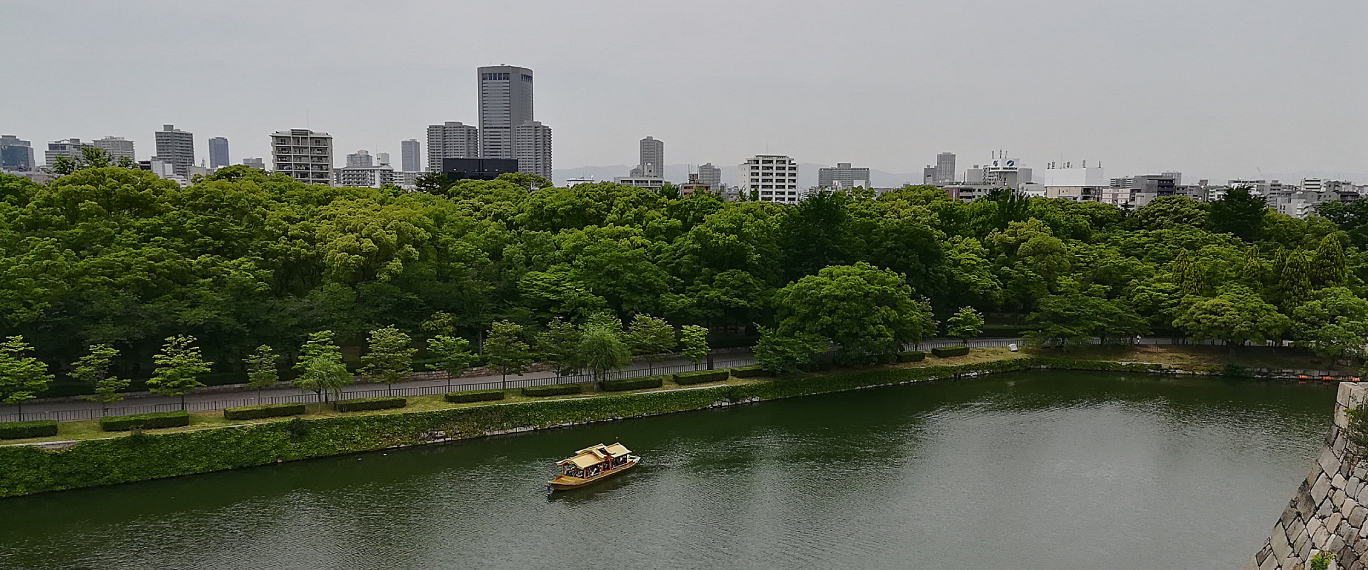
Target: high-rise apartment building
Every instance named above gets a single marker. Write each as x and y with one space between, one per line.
359 159
115 147
364 176
303 154
382 158
710 175
409 151
770 178
218 153
70 148
843 177
450 140
532 148
505 100
652 159
16 155
945 168
257 163
176 147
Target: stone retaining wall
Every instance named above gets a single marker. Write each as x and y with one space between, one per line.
1328 512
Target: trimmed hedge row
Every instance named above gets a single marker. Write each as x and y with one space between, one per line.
263 411
632 384
555 390
750 372
701 377
475 396
911 356
371 404
145 421
25 430
948 351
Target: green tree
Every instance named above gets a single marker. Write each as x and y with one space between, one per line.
1294 280
693 343
869 312
262 372
453 356
440 323
1333 324
1236 316
179 365
1079 313
1322 560
783 353
435 183
650 337
389 358
93 368
559 345
603 350
964 324
505 350
1239 213
320 367
22 376
1328 264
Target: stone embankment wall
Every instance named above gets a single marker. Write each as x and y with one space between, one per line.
1328 513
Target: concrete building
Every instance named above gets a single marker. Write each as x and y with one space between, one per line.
651 159
115 147
571 182
176 147
409 153
945 168
382 158
368 176
770 178
303 154
477 168
1145 188
1080 184
16 155
218 153
532 148
257 163
406 180
842 177
505 100
710 175
449 140
693 185
70 148
647 182
360 159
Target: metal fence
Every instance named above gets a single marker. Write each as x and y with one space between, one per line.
93 413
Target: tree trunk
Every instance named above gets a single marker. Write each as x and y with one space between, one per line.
183 403
21 409
503 381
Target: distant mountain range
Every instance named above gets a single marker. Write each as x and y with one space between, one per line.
679 173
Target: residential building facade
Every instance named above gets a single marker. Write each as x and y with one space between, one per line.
710 175
532 148
257 163
70 148
369 176
303 154
449 140
842 177
770 178
115 147
360 159
651 158
176 147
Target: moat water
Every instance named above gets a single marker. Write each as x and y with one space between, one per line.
1018 471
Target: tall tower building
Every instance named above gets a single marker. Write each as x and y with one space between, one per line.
710 175
945 168
15 154
532 148
303 154
218 153
409 152
771 178
450 140
652 161
360 159
505 104
176 147
115 147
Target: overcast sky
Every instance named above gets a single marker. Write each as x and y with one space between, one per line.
1212 88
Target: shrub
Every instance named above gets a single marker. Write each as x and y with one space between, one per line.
555 390
701 377
25 430
750 372
948 351
145 421
476 396
371 404
632 384
911 356
264 411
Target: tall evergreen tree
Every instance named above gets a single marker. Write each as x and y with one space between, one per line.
1328 265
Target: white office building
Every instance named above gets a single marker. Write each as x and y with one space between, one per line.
532 148
1077 183
115 147
842 177
303 154
770 178
449 140
70 148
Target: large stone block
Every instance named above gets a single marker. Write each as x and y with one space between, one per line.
1320 489
1326 508
1328 461
1338 497
1358 515
1319 539
1354 487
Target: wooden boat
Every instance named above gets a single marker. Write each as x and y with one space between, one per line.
591 465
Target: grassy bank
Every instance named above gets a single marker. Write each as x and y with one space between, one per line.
211 443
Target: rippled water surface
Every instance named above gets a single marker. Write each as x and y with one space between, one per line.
1022 471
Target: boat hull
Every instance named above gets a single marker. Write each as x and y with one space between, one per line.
566 483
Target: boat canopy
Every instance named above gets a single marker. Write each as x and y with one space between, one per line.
594 455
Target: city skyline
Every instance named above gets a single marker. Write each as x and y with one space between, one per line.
1135 109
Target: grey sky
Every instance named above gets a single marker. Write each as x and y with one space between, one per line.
1214 88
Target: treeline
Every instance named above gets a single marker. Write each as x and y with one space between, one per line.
241 259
